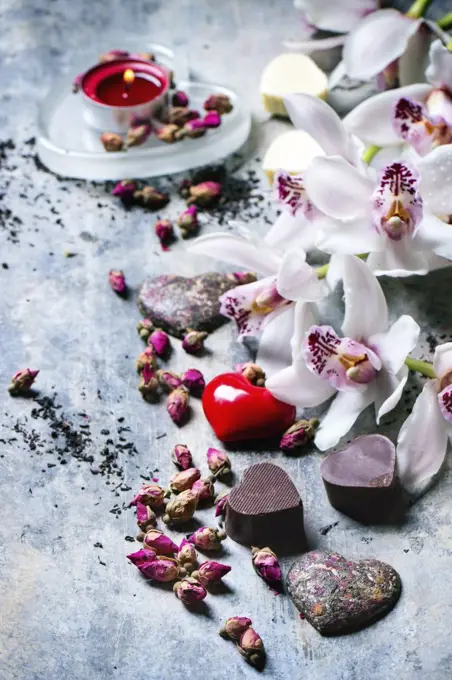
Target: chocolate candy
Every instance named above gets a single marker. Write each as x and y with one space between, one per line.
360 480
265 509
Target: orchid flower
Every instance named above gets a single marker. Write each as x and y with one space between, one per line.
417 127
364 366
422 441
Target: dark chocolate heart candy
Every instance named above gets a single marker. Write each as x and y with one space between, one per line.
337 596
176 303
265 509
360 480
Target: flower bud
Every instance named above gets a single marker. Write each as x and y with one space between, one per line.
146 358
266 566
179 115
251 372
142 556
220 504
22 381
194 381
212 119
169 380
177 405
146 517
184 187
167 133
149 197
187 556
218 462
150 494
211 572
148 385
206 538
111 141
182 457
160 341
181 509
252 648
188 221
243 277
156 540
234 628
179 99
181 481
218 102
125 190
111 55
204 490
117 281
297 436
164 231
162 569
204 194
138 134
189 591
145 328
193 341
194 128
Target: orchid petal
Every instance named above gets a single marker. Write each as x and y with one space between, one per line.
366 312
274 353
389 391
289 231
436 180
394 345
442 359
335 271
297 280
237 251
342 415
422 440
434 234
296 385
413 62
439 104
398 259
304 318
349 237
439 72
339 17
315 45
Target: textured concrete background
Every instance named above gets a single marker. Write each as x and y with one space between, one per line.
69 610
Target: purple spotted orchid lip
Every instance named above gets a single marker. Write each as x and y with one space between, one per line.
397 206
290 191
424 131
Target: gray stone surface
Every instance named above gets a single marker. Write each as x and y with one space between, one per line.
70 610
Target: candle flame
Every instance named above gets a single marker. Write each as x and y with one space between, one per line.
128 76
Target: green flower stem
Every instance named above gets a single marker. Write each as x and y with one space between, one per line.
424 367
370 152
445 22
418 8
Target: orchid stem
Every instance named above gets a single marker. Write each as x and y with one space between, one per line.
424 367
370 152
445 22
418 8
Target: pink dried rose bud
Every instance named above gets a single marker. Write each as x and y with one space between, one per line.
150 494
184 187
160 341
297 436
251 372
111 55
146 517
181 481
169 380
162 569
187 556
188 221
138 134
204 194
142 556
195 128
177 405
204 490
164 231
181 509
111 141
117 281
148 386
206 538
182 457
211 572
125 190
218 102
145 328
149 197
22 381
146 358
156 540
252 648
180 98
243 277
179 115
193 342
221 502
212 119
189 591
218 462
234 628
194 381
266 566
167 133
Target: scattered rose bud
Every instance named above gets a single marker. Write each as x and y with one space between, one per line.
180 99
150 494
177 405
22 381
206 538
145 328
156 540
181 509
211 572
77 82
266 566
204 194
297 436
146 517
169 380
179 115
194 129
182 457
234 628
164 231
117 281
244 277
212 120
252 648
111 55
111 141
148 385
194 381
181 481
189 591
125 190
188 221
187 556
220 504
251 372
167 133
184 187
193 341
142 556
146 358
138 134
149 197
218 462
218 102
204 490
160 341
163 570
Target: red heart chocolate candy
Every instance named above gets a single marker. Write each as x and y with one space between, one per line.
238 410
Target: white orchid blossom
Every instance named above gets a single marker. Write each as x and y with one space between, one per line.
364 367
422 440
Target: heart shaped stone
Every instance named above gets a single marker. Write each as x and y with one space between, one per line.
237 410
338 596
265 509
360 480
176 303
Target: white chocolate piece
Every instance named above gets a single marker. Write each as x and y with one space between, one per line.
292 151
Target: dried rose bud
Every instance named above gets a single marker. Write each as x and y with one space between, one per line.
206 538
204 194
117 281
218 462
150 494
160 341
145 328
251 372
181 481
297 436
77 82
244 277
194 381
146 517
211 572
234 627
193 341
266 566
195 128
189 591
184 187
163 570
156 540
204 490
167 133
182 457
22 381
181 509
169 380
149 197
177 405
179 115
179 99
125 190
220 504
142 556
138 134
111 55
111 141
218 102
146 358
187 556
212 119
252 648
164 231
148 385
188 221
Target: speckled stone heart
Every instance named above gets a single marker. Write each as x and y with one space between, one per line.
338 596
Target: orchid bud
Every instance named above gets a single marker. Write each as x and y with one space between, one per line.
177 405
218 462
297 436
111 55
22 381
181 509
243 277
184 187
77 82
164 231
179 99
218 102
111 141
251 372
167 133
182 457
204 490
189 591
211 572
194 128
138 134
212 119
179 115
187 556
146 517
125 190
194 381
156 540
188 221
149 197
145 328
193 341
142 556
266 566
146 358
181 481
169 380
150 494
160 341
220 504
206 538
117 281
234 628
252 648
204 194
148 385
163 570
